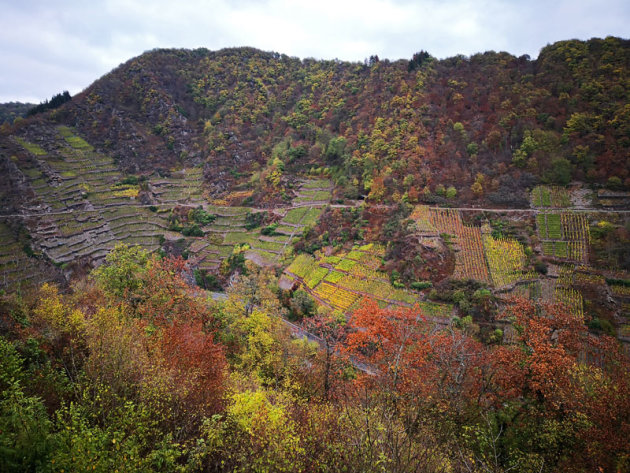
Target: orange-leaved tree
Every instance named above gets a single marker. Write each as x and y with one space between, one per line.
388 343
568 390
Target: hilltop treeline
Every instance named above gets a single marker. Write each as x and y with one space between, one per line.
55 102
12 110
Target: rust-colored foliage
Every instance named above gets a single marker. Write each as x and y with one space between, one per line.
553 379
165 296
391 343
566 373
405 353
197 364
548 346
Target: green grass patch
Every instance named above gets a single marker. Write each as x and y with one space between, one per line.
315 196
240 238
32 173
31 147
224 251
315 276
554 226
65 131
277 238
316 184
268 245
39 182
542 225
536 197
561 249
232 221
334 277
288 230
311 216
74 141
295 215
345 265
545 197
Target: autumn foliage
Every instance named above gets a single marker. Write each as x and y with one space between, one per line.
556 392
142 371
486 126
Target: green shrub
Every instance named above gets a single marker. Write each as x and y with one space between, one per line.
192 230
130 180
201 217
269 230
420 285
28 250
540 267
618 282
602 326
254 220
205 280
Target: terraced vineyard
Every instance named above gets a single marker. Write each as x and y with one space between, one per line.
90 206
229 229
564 235
184 186
545 196
16 267
561 289
506 260
343 280
501 261
478 255
79 205
318 191
422 216
470 262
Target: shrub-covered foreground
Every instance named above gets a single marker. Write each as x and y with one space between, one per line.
133 370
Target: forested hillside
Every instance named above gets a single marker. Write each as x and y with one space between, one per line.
489 125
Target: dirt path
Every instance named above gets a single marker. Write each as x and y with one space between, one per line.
335 206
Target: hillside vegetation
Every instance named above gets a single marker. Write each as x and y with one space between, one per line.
136 371
12 110
243 261
489 125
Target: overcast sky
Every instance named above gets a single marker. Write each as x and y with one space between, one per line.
50 46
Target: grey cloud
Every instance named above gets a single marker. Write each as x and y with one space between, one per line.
48 46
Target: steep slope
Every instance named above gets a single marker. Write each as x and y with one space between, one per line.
389 128
245 127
